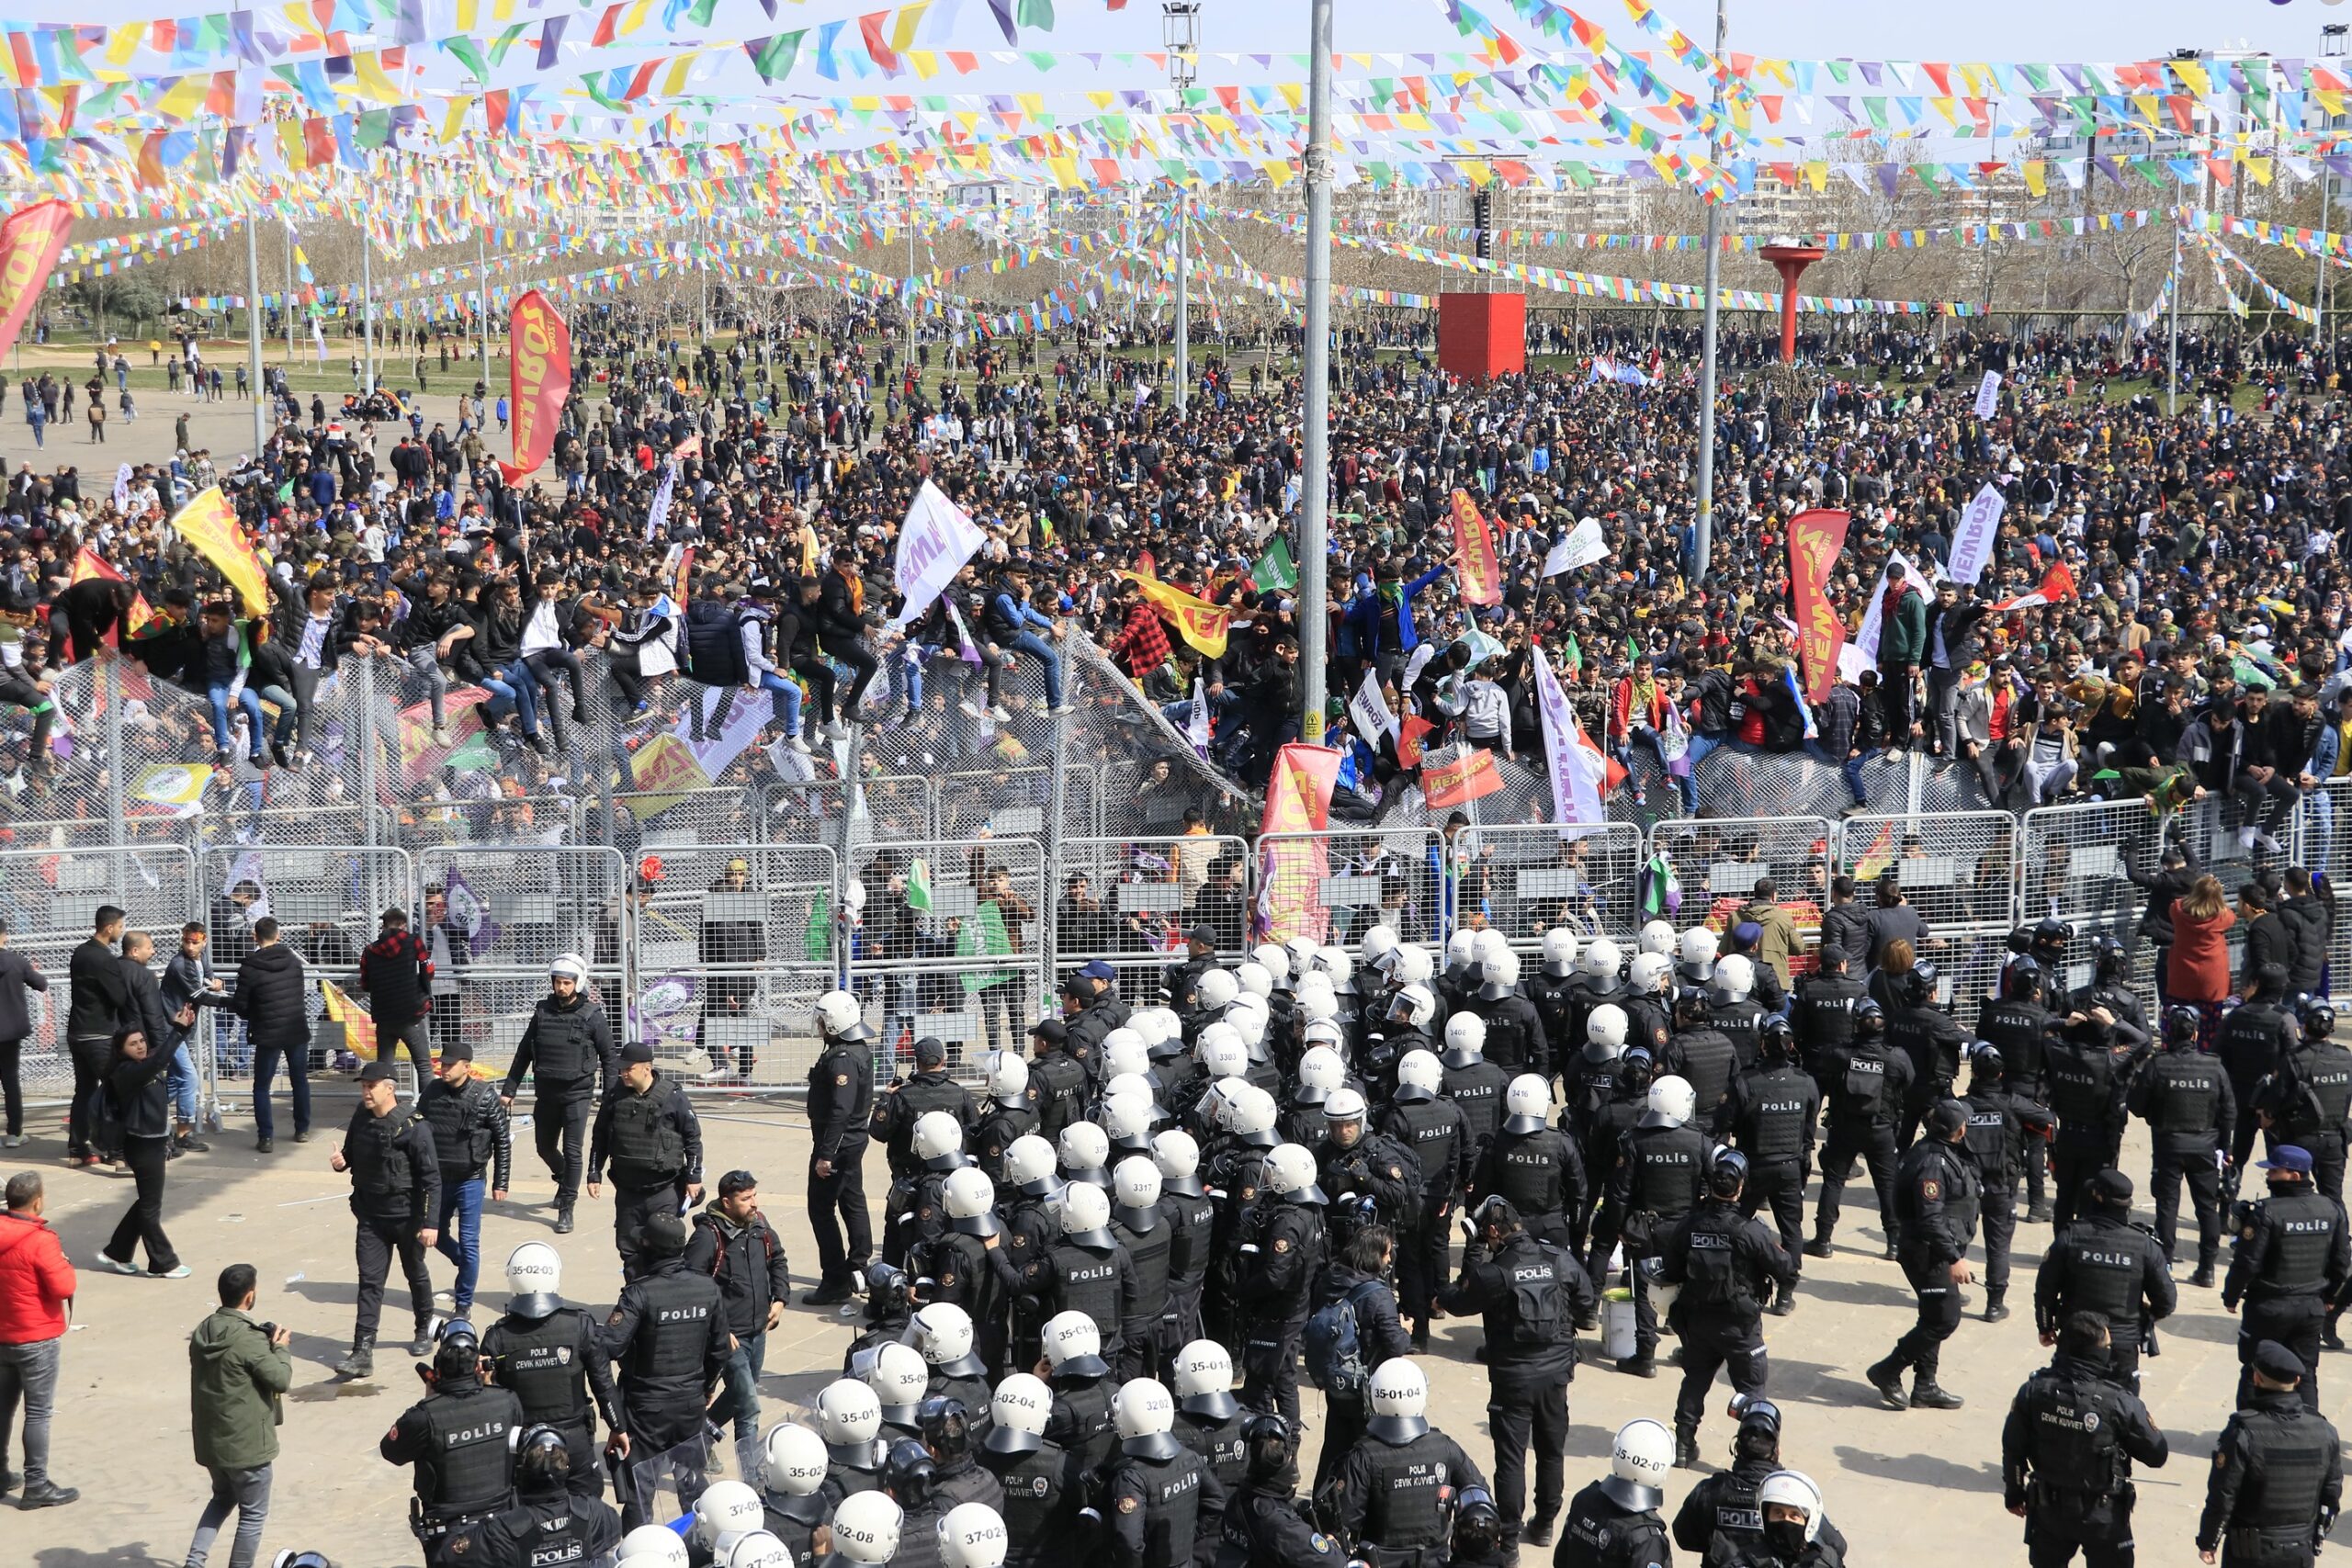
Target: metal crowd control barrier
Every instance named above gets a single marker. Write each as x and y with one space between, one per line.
682 820
2325 844
1015 802
277 826
1143 894
951 943
519 819
1152 797
1719 861
1958 870
2075 864
1334 887
734 944
1526 878
890 807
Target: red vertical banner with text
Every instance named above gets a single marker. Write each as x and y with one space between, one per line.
1291 870
1473 554
540 347
31 241
1814 540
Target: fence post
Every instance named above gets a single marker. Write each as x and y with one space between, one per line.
842 918
110 681
367 760
1051 939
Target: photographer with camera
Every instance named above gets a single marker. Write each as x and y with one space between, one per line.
238 1373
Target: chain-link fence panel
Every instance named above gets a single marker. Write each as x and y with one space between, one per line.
1014 802
50 899
888 805
1334 887
734 944
1140 897
1155 796
951 943
654 822
492 818
1525 878
1719 862
2325 846
1958 870
277 826
2075 864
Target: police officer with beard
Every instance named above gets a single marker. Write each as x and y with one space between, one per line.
1999 1124
568 1050
551 1358
1774 1110
1533 1296
2307 1101
2278 1476
460 1438
840 1101
1535 1167
552 1523
1936 1207
1394 1495
2292 1256
1659 1179
1370 1179
668 1339
2067 1448
1728 1504
2254 1038
1161 1501
1822 1015
1614 1522
2013 1023
1262 1526
1283 1250
648 1129
2186 1099
1727 1265
1922 1030
1866 1087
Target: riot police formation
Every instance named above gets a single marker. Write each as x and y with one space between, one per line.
460 1438
1727 1267
2192 1110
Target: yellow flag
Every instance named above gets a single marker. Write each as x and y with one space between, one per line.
1198 622
214 532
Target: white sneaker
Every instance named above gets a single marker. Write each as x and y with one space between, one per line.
800 744
440 735
998 712
2267 844
837 730
969 709
112 1265
1064 709
2246 838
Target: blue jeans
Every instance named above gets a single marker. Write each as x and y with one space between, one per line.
906 672
1038 648
247 699
513 690
298 1069
1852 767
180 1082
739 1390
786 693
460 1243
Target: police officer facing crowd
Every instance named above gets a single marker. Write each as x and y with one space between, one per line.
2292 1256
460 1438
551 1524
1393 1497
2192 1110
395 1193
1726 1508
2001 1123
1727 1265
551 1358
841 1101
566 1048
1936 1207
2073 1434
2103 1263
2278 1476
1614 1521
648 1130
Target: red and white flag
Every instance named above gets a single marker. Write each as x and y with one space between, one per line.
2057 585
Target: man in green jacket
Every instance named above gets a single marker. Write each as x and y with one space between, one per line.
1901 650
238 1372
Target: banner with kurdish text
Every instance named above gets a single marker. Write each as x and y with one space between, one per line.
540 382
1473 554
31 241
1290 885
1816 537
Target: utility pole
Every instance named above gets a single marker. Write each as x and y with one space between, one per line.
290 303
1703 532
910 275
1314 520
367 311
1180 30
481 299
2172 354
253 330
2332 45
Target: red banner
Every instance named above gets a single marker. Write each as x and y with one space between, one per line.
1473 554
1816 538
540 346
29 243
1461 779
1292 870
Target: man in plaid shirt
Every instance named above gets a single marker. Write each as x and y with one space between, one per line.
1141 644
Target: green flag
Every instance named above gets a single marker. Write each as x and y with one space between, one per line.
919 888
1274 571
773 57
1037 13
818 944
983 935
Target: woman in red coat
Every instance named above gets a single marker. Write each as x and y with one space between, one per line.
2199 968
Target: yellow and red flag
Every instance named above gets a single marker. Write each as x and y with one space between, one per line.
541 380
1473 554
31 241
1199 622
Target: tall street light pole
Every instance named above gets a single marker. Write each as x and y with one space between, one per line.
1704 533
1180 30
1314 521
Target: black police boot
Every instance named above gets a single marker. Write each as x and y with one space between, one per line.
48 1495
1538 1531
1820 1246
829 1292
1686 1450
1927 1396
1887 1378
1642 1365
563 1220
1993 1309
2328 1335
361 1362
2038 1214
422 1346
1784 1300
2203 1277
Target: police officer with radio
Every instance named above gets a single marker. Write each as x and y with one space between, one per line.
470 1137
648 1129
2277 1476
2067 1449
2307 1101
2186 1099
2000 1123
1866 1085
566 1048
2292 1256
1774 1110
1728 1264
668 1339
551 1524
1935 1205
840 1110
1537 1168
1394 1495
1659 1180
551 1358
1161 1499
1728 1503
460 1438
395 1193
1370 1179
1533 1295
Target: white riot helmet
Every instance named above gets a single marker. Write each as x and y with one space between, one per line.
1418 1076
1399 1397
1794 1489
848 1417
1600 960
1379 946
1488 944
758 1548
1128 1114
1656 937
1248 1016
1649 974
795 1460
1526 1103
1319 1072
899 1378
1029 1166
1324 1032
654 1546
1465 1037
1412 966
971 1199
1605 1027
1273 959
535 1273
1212 1037
1006 1075
1413 1006
1671 1103
568 967
1461 950
1289 1169
1697 950
1074 1345
1224 1056
1335 962
1144 1409
1559 952
1638 1464
972 1535
1203 1373
1021 1406
1251 1114
1216 989
1497 974
1344 1106
937 1141
1086 1215
1178 1155
865 1527
840 1019
1135 1193
1317 998
1085 1149
1301 952
943 1335
1125 1051
725 1508
1735 976
1255 978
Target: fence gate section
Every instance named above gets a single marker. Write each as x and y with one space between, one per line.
1720 860
49 898
1141 896
1334 887
952 944
1525 878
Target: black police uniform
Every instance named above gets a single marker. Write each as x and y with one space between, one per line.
1822 1018
1532 1295
568 1050
1476 1084
2276 1484
840 1098
1927 1034
1774 1111
2308 1100
459 1438
1866 1088
667 1341
1516 1040
2190 1108
1147 1238
2089 1080
1210 1425
1556 998
1541 1173
2066 1454
553 1363
1262 1528
1002 1123
1093 1275
1705 1057
2292 1256
1192 1225
897 1108
2016 1029
961 1270
2000 1125
654 1142
1657 1180
1081 1419
1603 1146
2255 1036
1601 1532
1725 1262
1729 1504
395 1192
1936 1206
551 1530
851 1468
1043 1493
1374 1181
1741 1021
793 1520
1161 1503
1440 1138
1061 1081
1280 1259
1392 1493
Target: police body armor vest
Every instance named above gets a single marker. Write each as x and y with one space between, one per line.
1861 1085
2250 1040
2293 1446
917 1096
1033 1506
677 1316
1094 1435
2015 1029
1219 1442
2074 1447
2079 1085
2302 1228
1777 1113
1430 1126
1404 1512
560 1049
1507 1046
379 1160
1666 1162
1172 1505
1739 1507
1991 1142
540 1362
1741 1023
1932 1051
1541 1316
2104 1270
460 1123
1150 1252
1189 1223
644 1140
1592 1085
2185 1091
1087 1282
1823 1016
1556 1004
1479 1088
1712 1271
1710 1060
1527 1168
467 1469
558 1537
2324 1074
1063 1101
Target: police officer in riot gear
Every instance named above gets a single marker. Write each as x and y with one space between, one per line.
1435 1129
2186 1099
1866 1087
1728 1266
1729 1503
1703 1057
1263 1526
1474 1081
551 1358
1209 1420
1393 1495
2278 1476
668 1339
1079 1418
2013 1023
2308 1100
841 1110
1283 1249
791 1480
1009 1110
1143 1228
1936 1207
2090 1062
1614 1522
1044 1490
1922 1029
2255 1037
1533 1295
1535 1167
1822 1011
1515 1040
2000 1123
915 1208
1161 1499
552 1523
910 1478
1370 1179
957 1475
1604 1102
943 1334
849 1418
968 1266
1087 1271
395 1194
2110 986
1553 989
1648 1002
1733 1009
568 1050
1774 1109
900 1105
1192 1223
460 1438
1657 1180
649 1132
2292 1256
2067 1449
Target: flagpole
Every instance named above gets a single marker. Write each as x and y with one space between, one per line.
1313 555
366 311
289 302
253 341
1702 540
2172 354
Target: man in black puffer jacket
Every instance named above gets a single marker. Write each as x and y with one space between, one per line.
2313 925
271 989
568 1049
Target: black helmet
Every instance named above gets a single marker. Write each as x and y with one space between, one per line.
2181 1024
2110 961
907 1473
2317 1015
456 1353
1869 1018
1497 1213
1760 1425
1779 1042
1726 1173
885 1289
1265 1437
1637 1067
542 1458
1945 1118
2021 940
946 1427
2053 934
2022 981
1924 976
1985 1060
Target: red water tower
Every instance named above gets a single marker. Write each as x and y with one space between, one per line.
1790 258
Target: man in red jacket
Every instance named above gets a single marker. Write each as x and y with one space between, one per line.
35 1284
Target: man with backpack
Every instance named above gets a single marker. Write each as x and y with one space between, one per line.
1355 1328
1533 1295
733 1244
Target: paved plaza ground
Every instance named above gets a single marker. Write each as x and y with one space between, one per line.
1895 1481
